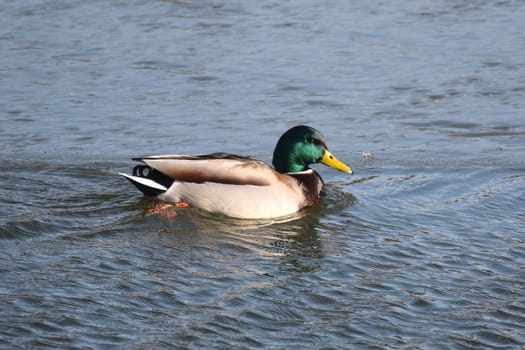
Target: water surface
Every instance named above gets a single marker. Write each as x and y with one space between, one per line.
423 248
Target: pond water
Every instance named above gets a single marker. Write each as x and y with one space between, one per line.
422 248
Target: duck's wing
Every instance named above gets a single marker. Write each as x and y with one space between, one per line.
223 168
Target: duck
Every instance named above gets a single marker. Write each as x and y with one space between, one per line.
241 186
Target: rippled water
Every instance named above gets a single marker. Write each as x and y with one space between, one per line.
423 248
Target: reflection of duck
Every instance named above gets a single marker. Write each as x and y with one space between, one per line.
241 186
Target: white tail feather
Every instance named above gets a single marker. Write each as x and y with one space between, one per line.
145 181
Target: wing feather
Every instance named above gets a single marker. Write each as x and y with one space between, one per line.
216 167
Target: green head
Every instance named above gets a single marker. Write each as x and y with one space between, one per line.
301 146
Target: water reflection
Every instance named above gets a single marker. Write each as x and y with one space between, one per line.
295 240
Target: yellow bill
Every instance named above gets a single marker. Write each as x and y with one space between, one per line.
331 161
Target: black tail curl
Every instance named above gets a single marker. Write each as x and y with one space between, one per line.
152 174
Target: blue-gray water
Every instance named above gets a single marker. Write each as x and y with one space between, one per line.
423 248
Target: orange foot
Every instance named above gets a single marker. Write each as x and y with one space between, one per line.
164 209
181 205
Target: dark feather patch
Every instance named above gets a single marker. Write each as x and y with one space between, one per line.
311 183
152 174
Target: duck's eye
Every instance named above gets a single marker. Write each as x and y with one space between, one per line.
313 141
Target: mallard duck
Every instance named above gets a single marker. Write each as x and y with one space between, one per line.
242 186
